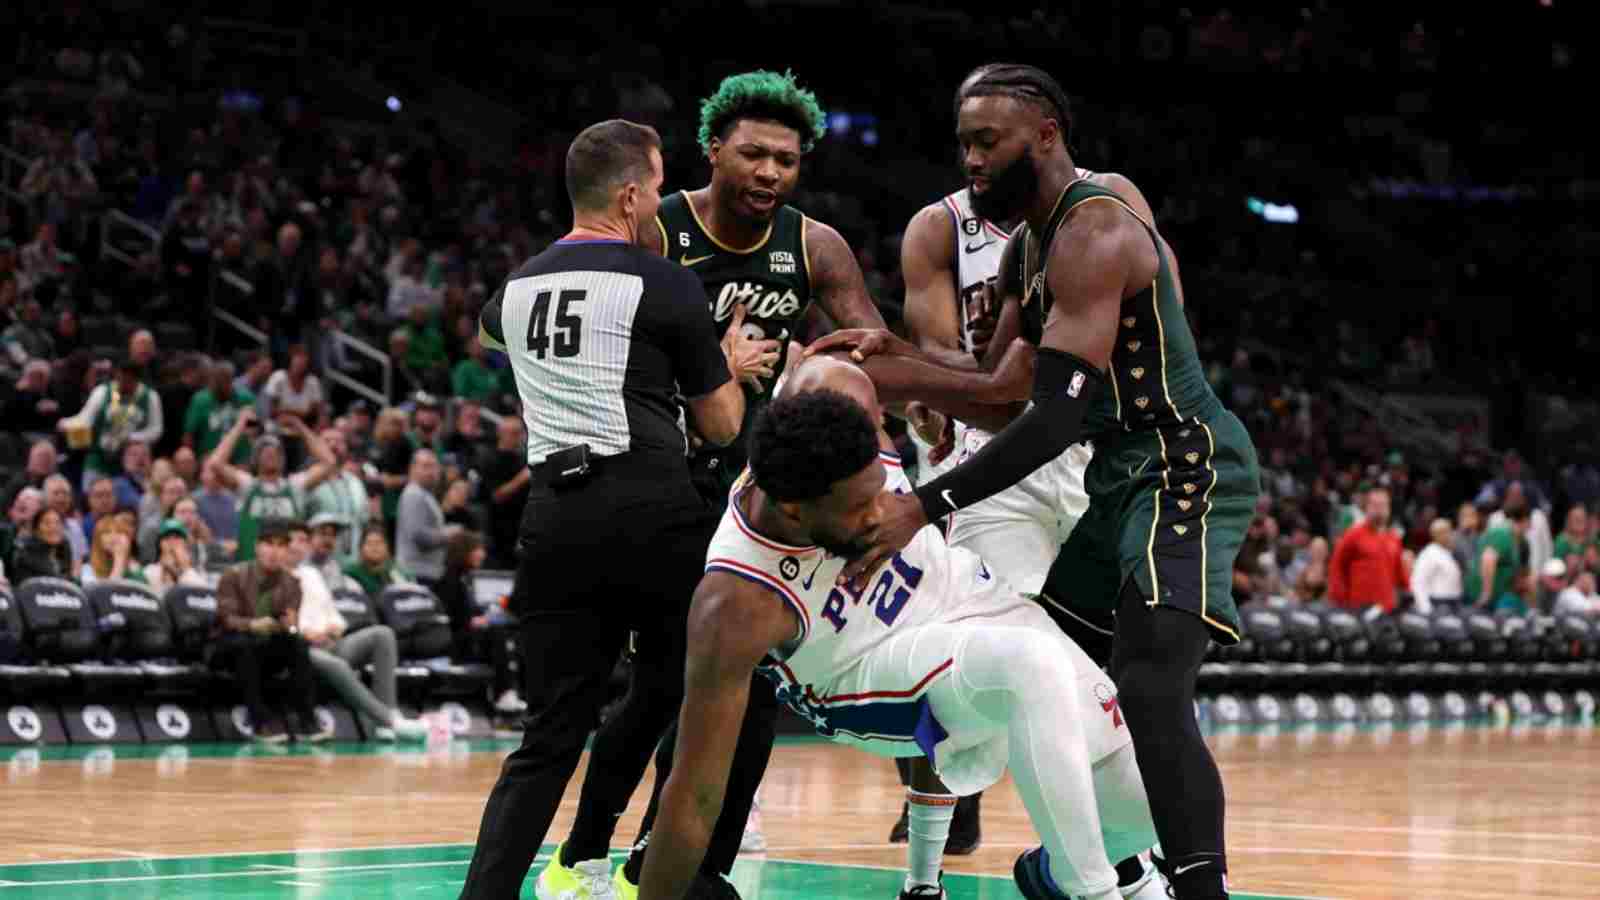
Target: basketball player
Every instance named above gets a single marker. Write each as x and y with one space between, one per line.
950 258
1174 478
751 250
939 657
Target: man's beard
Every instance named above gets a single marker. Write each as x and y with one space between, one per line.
847 548
1011 190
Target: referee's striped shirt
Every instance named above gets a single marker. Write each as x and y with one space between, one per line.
601 335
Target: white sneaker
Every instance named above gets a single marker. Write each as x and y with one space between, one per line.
1151 887
383 733
510 702
754 840
410 729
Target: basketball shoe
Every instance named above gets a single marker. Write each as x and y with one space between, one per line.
589 879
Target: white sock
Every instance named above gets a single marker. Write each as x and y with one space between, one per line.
928 827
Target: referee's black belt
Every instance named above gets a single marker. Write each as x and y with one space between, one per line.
630 465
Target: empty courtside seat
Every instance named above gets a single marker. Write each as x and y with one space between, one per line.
1272 646
422 631
1456 648
18 676
62 630
193 610
1352 650
136 628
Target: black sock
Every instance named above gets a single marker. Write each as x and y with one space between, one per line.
1158 653
634 867
1129 871
1199 877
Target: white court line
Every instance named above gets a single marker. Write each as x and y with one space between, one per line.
240 874
1442 832
161 856
1408 854
272 868
307 884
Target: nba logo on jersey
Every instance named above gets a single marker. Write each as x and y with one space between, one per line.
1076 387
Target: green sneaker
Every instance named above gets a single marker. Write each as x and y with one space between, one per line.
586 880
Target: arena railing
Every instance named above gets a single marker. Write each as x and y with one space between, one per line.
116 218
373 353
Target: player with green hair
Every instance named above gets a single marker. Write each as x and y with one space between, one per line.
754 252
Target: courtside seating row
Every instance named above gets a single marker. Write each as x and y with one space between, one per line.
120 639
1318 649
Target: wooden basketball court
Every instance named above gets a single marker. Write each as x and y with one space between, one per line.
1447 813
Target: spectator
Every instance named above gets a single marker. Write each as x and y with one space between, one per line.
337 657
186 257
1468 532
185 375
142 351
153 516
327 530
102 496
268 493
44 553
427 424
111 554
1499 559
1579 598
356 426
505 481
408 290
204 548
122 411
42 462
286 296
28 338
31 408
256 633
1436 577
342 496
1573 540
421 532
253 381
1537 539
186 465
477 633
174 564
58 496
218 507
1494 493
24 508
392 451
1367 567
1312 584
212 412
295 391
135 478
467 441
1553 579
471 379
375 571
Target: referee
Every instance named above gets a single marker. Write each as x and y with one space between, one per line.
602 336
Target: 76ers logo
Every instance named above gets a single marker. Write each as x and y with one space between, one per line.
1108 703
795 697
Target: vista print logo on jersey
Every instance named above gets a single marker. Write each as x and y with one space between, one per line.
781 262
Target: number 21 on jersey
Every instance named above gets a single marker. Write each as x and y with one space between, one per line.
886 599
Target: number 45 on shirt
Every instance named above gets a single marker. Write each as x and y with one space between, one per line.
568 325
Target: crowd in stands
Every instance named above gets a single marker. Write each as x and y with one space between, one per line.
145 439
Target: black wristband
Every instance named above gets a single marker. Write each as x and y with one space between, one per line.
1063 387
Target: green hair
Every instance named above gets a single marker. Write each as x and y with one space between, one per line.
763 95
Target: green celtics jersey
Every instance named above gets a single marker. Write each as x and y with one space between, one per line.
1155 376
772 279
279 499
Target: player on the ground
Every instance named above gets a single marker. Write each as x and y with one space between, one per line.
754 252
1174 477
939 656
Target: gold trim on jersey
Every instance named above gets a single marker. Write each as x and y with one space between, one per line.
1205 502
1161 336
693 213
805 254
666 250
1116 393
1155 522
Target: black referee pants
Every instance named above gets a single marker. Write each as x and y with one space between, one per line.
623 551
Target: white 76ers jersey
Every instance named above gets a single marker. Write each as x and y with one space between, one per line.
979 245
822 677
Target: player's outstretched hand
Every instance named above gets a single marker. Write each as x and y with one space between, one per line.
861 342
902 518
936 429
749 359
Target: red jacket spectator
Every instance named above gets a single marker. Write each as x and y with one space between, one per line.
1368 564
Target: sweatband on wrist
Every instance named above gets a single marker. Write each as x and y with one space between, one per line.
1063 387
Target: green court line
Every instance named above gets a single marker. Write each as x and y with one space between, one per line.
427 870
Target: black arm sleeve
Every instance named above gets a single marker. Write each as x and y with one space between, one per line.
1063 388
698 363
